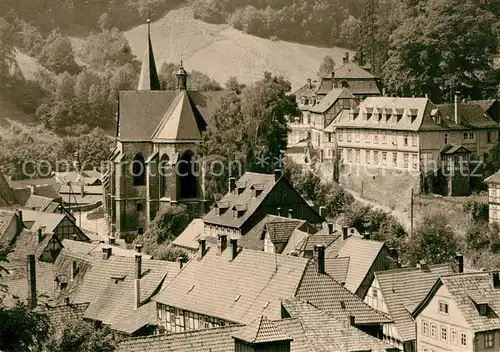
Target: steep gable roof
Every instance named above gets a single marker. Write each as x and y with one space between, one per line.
464 286
330 99
7 196
148 80
188 238
261 330
39 203
236 291
405 288
471 116
330 296
351 70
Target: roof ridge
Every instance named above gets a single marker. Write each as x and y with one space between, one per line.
409 269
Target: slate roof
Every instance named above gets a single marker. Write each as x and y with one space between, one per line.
362 253
188 238
95 249
236 291
109 288
150 108
261 330
328 332
245 198
461 287
407 287
329 295
330 99
148 80
472 116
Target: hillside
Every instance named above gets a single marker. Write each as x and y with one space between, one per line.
222 51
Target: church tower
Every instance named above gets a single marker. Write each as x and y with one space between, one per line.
149 75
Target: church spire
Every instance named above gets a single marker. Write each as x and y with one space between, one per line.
181 77
149 76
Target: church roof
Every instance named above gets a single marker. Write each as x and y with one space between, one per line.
182 121
151 107
149 75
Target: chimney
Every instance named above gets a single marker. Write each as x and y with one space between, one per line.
290 213
460 261
457 101
75 238
320 249
347 56
112 240
333 79
394 254
222 239
232 184
66 301
32 189
309 83
138 248
19 221
137 281
234 248
74 270
345 232
322 210
180 260
366 235
352 320
32 281
383 92
39 233
82 190
203 247
496 279
426 96
422 264
277 174
330 228
278 211
106 253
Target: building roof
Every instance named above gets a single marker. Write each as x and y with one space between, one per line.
236 291
7 196
330 99
307 90
150 107
6 218
362 254
95 249
181 122
351 70
109 288
338 268
406 288
38 203
328 332
493 179
60 316
244 198
281 229
468 290
261 330
329 295
189 237
472 116
28 242
450 149
49 221
310 241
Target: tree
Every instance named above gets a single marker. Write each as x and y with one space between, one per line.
445 46
169 223
306 182
57 53
200 81
22 329
6 53
349 33
83 336
170 253
433 241
336 202
327 66
233 84
108 48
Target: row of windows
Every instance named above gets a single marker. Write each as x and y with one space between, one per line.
379 157
376 138
387 117
178 320
431 329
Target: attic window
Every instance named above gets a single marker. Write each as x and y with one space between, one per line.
237 298
483 308
342 304
240 186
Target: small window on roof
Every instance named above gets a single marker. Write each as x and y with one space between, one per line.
483 309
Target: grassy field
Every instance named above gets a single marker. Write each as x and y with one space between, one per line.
222 51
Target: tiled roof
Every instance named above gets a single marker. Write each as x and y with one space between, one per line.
494 179
237 291
403 288
330 296
75 189
67 176
338 268
311 241
296 239
95 250
33 182
462 286
281 227
362 254
42 219
261 330
328 332
306 90
136 319
27 243
6 218
471 116
484 104
330 99
60 316
151 106
109 287
207 340
351 70
39 203
7 196
252 203
188 238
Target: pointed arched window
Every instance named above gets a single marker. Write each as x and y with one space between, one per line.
187 176
164 173
138 170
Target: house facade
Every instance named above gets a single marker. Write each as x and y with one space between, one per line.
460 313
493 183
154 162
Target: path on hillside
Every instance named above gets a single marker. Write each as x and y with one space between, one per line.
402 216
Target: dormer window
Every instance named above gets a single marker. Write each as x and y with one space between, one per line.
239 210
240 186
257 190
483 308
220 208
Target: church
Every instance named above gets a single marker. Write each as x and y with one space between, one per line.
153 163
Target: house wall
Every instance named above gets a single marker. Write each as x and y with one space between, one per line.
381 263
173 319
453 322
494 202
67 228
480 345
